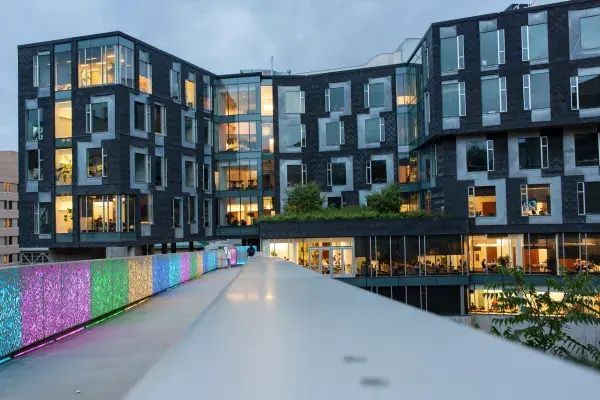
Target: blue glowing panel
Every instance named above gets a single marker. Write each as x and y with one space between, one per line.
10 310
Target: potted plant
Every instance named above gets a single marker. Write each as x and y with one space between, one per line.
65 170
69 217
252 216
229 217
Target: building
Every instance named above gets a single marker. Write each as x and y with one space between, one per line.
9 208
492 119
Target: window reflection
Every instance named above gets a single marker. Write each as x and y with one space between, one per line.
62 65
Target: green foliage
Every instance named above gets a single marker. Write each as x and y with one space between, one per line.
543 322
388 200
348 212
304 199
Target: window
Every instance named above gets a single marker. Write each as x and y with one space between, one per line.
96 117
534 42
207 91
41 70
8 187
492 48
191 169
376 171
105 65
141 165
482 201
34 165
96 163
145 77
63 120
588 194
268 208
207 213
239 211
535 200
146 209
63 166
480 155
8 222
268 175
374 95
452 53
208 132
107 213
536 90
62 70
295 136
160 119
190 129
586 149
238 175
206 177
268 141
334 133
427 109
453 100
237 99
336 174
334 99
266 100
374 130
35 124
41 219
590 32
192 210
585 92
533 152
294 102
237 136
64 214
141 116
296 175
190 91
175 82
493 95
160 172
335 202
408 168
176 213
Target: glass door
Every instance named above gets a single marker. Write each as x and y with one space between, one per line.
314 260
347 262
337 262
325 261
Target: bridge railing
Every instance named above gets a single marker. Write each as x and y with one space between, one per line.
40 302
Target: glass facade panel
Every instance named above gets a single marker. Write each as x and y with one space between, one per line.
589 91
268 140
540 254
538 42
477 159
237 136
35 124
529 153
99 117
266 100
294 175
63 120
62 65
449 54
450 100
332 133
376 95
540 91
590 32
570 251
490 96
64 214
336 99
489 48
239 211
63 166
238 175
268 175
444 254
373 130
145 77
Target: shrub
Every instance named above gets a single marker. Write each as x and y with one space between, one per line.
388 200
304 199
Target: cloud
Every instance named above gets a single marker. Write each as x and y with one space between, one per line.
226 36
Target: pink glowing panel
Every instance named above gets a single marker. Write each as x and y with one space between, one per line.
185 267
32 304
75 299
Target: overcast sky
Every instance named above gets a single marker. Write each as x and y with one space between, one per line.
226 36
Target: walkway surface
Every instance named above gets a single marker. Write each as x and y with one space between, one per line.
274 330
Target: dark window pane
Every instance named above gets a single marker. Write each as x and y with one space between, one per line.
158 178
94 163
334 202
378 171
592 194
489 48
538 41
529 153
589 91
294 175
158 122
376 95
586 149
477 156
139 116
336 99
100 117
332 133
540 91
450 106
338 174
449 54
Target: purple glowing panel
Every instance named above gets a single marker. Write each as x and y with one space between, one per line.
185 267
32 304
75 302
52 300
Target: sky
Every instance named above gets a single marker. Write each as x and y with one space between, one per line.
226 36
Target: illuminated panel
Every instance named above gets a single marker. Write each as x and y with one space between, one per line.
174 269
160 273
51 300
233 252
10 310
200 261
242 255
210 260
140 278
193 265
75 282
109 285
184 261
32 304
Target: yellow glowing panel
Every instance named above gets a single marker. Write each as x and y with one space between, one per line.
140 278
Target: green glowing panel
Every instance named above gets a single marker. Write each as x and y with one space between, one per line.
109 285
193 265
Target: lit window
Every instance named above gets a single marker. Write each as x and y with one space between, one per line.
98 213
145 77
268 141
63 166
64 214
266 100
63 120
482 201
206 182
190 91
535 200
105 65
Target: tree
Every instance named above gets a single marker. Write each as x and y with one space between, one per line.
543 321
388 200
304 199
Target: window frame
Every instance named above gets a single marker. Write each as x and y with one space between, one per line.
525 196
163 118
89 118
192 206
472 205
40 124
207 213
175 85
526 43
40 175
180 221
341 133
581 206
574 83
301 99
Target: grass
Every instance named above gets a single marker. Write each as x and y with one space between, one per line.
349 212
